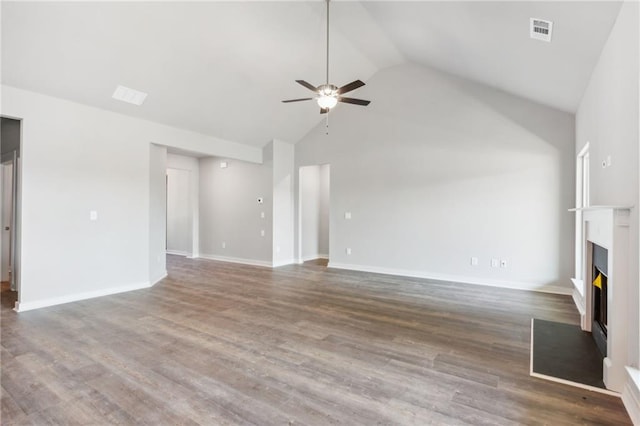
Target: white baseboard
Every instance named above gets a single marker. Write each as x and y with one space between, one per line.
455 278
252 262
158 279
277 263
314 257
37 304
631 395
178 253
579 301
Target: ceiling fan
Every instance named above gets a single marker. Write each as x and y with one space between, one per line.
328 95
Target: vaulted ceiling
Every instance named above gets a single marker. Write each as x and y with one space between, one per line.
222 68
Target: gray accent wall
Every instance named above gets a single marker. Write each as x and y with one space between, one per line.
230 212
438 170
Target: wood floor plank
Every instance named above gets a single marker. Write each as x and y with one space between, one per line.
225 344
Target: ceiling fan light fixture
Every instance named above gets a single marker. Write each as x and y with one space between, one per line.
327 101
328 95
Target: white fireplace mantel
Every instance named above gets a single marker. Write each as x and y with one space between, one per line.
607 227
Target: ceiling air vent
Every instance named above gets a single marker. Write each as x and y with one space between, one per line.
128 95
541 29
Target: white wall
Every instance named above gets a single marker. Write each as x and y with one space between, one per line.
230 213
76 159
437 170
608 119
185 203
157 212
283 208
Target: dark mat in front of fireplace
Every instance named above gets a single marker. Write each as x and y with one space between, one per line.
565 352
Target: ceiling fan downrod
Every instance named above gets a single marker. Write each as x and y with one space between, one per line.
328 42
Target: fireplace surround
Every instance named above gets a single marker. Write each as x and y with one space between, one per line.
605 229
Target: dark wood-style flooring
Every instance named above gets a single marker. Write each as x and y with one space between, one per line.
223 344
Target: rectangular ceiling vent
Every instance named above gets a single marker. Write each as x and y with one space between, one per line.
541 29
131 96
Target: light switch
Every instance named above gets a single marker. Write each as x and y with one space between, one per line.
262 232
262 215
347 215
93 215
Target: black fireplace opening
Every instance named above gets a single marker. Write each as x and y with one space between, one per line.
599 292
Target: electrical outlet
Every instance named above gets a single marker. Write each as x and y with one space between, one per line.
503 263
474 261
348 251
495 263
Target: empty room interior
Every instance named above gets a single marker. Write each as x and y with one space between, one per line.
320 212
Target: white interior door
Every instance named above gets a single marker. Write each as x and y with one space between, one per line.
6 215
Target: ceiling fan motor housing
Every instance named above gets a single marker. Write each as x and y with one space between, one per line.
327 90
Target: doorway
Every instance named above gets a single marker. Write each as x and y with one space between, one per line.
178 213
314 213
9 197
182 205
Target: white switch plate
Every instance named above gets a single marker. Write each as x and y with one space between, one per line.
503 263
93 215
348 251
224 245
474 261
347 215
262 232
495 263
262 215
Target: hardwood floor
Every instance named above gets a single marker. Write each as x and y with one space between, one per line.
218 343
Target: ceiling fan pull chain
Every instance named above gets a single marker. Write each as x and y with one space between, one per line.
327 124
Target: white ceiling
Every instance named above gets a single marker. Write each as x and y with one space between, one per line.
221 68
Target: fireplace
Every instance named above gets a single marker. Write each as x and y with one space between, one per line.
599 297
602 286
